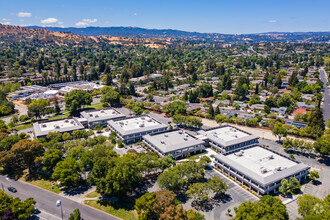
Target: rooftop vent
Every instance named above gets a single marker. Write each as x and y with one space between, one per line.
149 120
141 125
43 125
162 141
66 120
166 135
90 115
185 138
57 127
102 111
142 118
180 132
271 157
96 116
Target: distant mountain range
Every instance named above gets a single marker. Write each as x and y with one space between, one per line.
185 35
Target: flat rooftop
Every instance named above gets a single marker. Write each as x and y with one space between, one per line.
136 125
102 114
228 135
61 125
262 165
172 140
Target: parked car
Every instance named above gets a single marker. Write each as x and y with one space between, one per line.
12 189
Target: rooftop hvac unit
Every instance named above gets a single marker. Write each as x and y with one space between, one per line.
278 168
43 125
180 132
57 127
263 170
162 141
271 157
185 138
165 135
66 120
141 125
102 111
142 118
149 120
72 122
239 153
96 116
90 115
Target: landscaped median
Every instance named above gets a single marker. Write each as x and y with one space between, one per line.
119 209
42 182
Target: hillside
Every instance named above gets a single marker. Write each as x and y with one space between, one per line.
10 34
178 34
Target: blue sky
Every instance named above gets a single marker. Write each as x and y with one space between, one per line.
218 16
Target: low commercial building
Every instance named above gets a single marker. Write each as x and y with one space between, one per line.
101 116
259 168
227 138
41 129
132 129
175 142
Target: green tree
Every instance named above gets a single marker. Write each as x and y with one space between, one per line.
278 81
217 185
322 144
313 175
19 209
51 158
267 207
284 188
76 99
75 215
221 118
311 207
211 111
198 191
110 97
316 122
279 130
67 172
285 100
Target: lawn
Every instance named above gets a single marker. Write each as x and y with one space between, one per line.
114 208
196 156
22 126
93 194
41 181
95 106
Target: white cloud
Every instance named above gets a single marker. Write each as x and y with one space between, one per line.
24 14
51 21
135 14
6 21
86 22
272 21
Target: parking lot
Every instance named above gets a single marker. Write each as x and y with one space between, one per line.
121 151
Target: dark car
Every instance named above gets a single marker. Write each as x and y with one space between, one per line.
12 189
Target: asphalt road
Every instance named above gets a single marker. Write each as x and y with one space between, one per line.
46 201
326 95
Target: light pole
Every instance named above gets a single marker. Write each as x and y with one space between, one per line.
59 203
2 187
